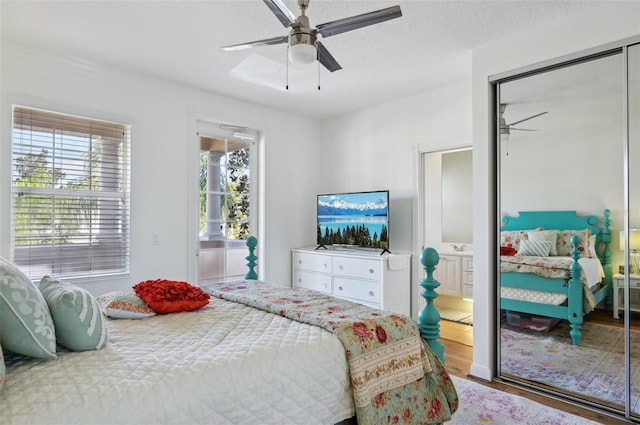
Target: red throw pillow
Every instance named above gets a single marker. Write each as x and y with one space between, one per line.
508 250
171 296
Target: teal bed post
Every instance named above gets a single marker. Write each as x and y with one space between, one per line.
576 307
252 242
606 259
429 317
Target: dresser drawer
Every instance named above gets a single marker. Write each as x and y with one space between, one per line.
317 282
467 278
357 267
633 282
467 291
467 264
362 290
317 263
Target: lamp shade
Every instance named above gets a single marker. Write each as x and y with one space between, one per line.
634 240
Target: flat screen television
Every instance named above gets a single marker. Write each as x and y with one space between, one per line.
358 219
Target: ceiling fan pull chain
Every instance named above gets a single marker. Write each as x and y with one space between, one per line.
287 67
318 75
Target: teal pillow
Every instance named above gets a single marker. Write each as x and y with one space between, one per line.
26 326
76 315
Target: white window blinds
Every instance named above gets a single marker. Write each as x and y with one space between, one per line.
70 194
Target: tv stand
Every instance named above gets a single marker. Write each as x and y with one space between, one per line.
382 282
321 246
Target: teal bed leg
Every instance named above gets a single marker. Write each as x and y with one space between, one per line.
429 317
252 242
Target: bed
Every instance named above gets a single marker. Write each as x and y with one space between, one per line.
555 264
255 353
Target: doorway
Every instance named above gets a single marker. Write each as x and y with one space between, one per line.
227 200
445 223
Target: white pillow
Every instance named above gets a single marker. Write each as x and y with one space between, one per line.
592 246
124 305
534 248
545 235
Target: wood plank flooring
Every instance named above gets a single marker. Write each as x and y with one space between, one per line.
457 339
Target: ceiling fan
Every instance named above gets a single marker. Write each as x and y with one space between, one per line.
304 46
506 128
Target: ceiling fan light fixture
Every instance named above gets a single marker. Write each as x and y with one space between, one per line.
303 54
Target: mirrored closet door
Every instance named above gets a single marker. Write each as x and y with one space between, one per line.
631 286
568 184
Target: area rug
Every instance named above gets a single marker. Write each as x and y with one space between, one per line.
456 316
594 368
483 405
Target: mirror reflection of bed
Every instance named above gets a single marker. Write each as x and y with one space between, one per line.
567 162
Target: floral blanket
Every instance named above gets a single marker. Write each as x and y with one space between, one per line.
548 267
395 377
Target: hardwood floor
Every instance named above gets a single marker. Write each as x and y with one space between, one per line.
457 339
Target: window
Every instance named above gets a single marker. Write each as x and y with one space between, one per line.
70 194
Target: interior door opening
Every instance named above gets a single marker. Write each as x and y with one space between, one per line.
226 201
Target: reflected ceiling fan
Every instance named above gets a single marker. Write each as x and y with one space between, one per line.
304 46
506 128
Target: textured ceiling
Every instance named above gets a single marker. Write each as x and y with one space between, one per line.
180 41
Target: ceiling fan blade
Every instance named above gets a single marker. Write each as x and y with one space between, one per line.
257 43
528 118
521 129
325 58
359 21
281 11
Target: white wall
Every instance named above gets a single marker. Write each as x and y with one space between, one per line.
162 115
377 148
616 21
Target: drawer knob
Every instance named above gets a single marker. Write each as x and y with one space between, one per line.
370 270
371 294
339 288
299 261
340 267
299 279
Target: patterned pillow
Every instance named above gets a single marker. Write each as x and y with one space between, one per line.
564 246
545 235
124 305
26 326
512 237
76 315
171 296
534 248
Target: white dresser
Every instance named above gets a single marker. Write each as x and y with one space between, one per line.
379 281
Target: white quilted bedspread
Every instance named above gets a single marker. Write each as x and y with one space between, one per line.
592 274
224 364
